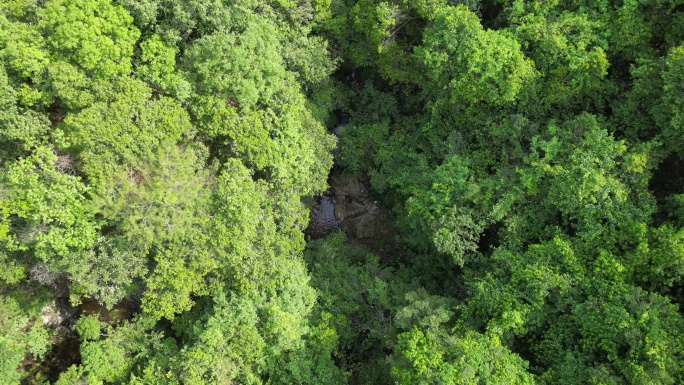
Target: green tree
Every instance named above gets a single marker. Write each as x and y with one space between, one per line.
20 337
97 36
445 359
467 64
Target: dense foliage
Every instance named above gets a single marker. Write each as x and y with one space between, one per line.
157 158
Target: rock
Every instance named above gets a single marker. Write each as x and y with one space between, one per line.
349 206
354 207
53 315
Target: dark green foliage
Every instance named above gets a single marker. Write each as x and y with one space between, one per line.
527 157
357 298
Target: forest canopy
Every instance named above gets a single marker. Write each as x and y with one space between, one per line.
502 183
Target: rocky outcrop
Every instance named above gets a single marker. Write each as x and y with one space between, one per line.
55 314
355 207
347 205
